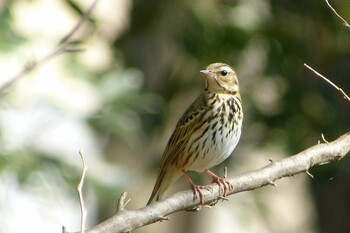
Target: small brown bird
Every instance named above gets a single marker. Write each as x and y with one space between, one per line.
205 135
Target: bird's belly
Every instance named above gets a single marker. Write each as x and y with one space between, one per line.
214 147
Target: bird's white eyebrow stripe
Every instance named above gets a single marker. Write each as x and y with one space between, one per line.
227 68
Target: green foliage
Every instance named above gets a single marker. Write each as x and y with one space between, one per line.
153 74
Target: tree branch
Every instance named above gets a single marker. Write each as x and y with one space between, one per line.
80 193
345 23
322 153
65 46
328 81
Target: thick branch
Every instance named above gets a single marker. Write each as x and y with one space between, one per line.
127 220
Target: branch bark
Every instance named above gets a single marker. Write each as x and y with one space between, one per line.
322 153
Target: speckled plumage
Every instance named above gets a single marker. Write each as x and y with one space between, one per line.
207 132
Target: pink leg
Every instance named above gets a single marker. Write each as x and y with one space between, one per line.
197 192
224 184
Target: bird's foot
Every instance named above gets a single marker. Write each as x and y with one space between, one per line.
224 185
197 193
197 189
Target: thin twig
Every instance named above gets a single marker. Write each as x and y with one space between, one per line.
346 24
80 192
33 64
308 172
225 172
323 138
270 182
122 202
323 77
64 47
83 18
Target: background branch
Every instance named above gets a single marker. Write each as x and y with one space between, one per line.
322 153
330 82
345 23
65 46
80 193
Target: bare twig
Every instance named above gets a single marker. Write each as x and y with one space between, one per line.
33 64
122 202
323 138
308 172
336 13
322 153
80 192
327 80
270 182
84 17
64 47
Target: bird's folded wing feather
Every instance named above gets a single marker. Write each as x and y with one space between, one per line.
190 121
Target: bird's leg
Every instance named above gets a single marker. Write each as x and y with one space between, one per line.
224 184
197 192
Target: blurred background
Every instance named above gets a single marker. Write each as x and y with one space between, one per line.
120 99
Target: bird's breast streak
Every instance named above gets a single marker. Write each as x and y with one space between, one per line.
215 140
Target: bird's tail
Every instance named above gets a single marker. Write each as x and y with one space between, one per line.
166 177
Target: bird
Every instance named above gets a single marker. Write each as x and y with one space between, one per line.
205 135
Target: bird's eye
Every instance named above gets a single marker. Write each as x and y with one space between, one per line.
224 72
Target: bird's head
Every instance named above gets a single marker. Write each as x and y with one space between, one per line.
221 77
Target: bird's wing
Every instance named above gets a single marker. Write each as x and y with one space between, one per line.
190 121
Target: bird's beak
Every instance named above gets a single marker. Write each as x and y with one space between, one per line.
207 73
